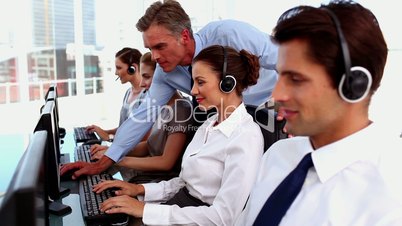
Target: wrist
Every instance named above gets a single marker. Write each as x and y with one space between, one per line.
140 189
110 137
104 163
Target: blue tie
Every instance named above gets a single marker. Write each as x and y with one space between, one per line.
280 200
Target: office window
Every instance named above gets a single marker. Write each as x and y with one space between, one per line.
72 43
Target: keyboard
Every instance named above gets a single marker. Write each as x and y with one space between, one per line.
81 135
82 153
90 203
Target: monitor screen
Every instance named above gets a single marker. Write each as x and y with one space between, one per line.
52 96
26 199
47 122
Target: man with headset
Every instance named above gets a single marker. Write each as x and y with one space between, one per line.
335 171
167 32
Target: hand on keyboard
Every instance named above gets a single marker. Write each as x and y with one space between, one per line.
123 187
73 169
123 204
97 151
91 202
101 133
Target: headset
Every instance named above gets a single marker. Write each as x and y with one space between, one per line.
355 84
228 82
131 68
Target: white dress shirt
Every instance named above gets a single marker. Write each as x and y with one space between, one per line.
219 167
355 181
237 34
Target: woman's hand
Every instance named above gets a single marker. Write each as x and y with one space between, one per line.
101 133
97 151
124 188
123 204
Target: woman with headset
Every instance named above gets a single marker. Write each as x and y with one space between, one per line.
219 165
159 156
127 62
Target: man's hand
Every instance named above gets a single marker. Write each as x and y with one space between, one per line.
85 168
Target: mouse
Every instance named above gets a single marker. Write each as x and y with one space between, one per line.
91 142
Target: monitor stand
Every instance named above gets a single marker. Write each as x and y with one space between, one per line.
59 209
64 158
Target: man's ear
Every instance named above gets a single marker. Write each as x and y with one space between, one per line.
185 36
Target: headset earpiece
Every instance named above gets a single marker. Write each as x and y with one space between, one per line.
228 82
355 84
131 70
358 86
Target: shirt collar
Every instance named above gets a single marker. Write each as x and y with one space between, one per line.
198 45
228 125
334 157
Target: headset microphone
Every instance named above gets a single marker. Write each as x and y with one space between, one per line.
117 78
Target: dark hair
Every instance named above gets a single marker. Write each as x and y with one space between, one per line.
243 65
129 56
146 58
169 14
367 47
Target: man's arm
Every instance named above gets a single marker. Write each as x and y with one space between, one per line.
131 131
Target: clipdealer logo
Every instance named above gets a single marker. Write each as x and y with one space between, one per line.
264 114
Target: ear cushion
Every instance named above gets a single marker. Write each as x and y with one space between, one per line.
227 84
358 86
131 70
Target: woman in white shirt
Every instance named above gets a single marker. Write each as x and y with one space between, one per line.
219 165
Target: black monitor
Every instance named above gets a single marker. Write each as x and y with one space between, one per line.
26 199
52 87
47 122
53 95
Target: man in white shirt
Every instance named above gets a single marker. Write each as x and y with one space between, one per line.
330 62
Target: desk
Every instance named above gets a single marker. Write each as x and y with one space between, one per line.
73 200
75 217
12 147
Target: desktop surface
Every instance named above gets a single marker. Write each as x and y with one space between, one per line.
12 146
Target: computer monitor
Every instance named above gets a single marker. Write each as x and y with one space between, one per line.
53 95
52 87
47 122
26 199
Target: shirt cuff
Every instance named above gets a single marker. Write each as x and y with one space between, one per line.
152 192
155 214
